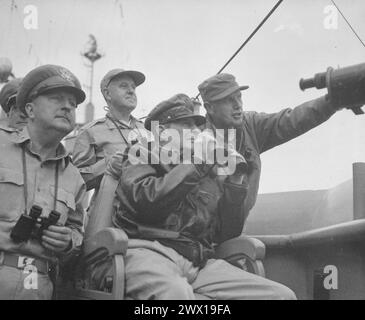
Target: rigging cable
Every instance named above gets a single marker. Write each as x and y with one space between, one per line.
348 23
249 38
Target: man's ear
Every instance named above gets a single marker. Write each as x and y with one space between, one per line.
106 94
29 110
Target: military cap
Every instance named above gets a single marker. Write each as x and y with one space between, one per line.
193 103
187 100
138 77
8 93
45 78
178 107
218 87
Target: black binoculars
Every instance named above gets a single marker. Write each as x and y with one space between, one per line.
33 225
346 86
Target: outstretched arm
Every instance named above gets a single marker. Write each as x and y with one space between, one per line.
276 128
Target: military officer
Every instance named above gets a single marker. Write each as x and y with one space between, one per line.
174 213
16 119
36 175
104 140
256 132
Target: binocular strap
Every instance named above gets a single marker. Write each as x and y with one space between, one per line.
25 178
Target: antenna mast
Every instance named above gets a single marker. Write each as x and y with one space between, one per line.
92 55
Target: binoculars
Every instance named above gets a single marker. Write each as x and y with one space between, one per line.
346 86
222 154
33 225
240 162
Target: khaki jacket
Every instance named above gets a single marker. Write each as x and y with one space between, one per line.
262 131
41 190
97 142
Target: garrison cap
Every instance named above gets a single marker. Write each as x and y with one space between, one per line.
180 106
45 78
8 93
138 77
218 87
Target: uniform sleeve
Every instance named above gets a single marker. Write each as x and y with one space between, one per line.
276 128
75 221
231 213
84 158
155 195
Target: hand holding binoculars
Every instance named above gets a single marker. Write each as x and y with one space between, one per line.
223 154
33 225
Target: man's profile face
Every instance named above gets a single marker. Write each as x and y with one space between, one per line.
227 113
121 93
16 118
55 110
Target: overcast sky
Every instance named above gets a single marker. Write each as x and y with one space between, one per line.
178 44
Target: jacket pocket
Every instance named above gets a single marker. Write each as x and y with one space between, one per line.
11 194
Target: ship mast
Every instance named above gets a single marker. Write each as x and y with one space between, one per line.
92 55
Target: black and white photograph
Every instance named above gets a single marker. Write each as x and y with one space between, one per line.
182 150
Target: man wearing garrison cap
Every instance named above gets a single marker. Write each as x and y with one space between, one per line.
102 142
37 173
174 214
257 132
16 119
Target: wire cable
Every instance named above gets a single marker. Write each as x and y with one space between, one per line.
348 23
249 38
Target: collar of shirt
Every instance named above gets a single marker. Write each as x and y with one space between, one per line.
4 126
240 132
61 154
209 123
130 125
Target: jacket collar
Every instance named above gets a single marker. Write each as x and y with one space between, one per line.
240 132
123 125
5 127
23 139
